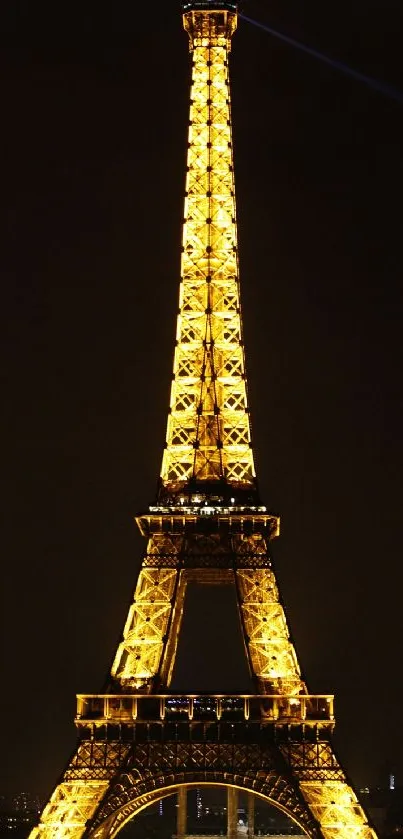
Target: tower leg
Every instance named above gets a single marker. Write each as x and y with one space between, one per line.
251 816
232 813
181 820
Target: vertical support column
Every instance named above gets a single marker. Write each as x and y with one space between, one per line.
232 813
251 815
181 819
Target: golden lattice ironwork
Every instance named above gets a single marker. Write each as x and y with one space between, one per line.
208 434
69 809
335 806
146 654
139 653
137 742
273 657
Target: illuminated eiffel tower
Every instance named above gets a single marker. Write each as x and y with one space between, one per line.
138 743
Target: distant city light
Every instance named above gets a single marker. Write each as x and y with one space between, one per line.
199 805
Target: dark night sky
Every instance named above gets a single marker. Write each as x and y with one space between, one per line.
94 113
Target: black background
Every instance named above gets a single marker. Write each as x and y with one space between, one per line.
94 117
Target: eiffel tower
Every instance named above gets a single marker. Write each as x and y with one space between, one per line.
138 742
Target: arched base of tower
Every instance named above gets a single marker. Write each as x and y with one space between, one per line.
132 795
109 782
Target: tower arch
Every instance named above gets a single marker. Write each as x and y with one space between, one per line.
130 798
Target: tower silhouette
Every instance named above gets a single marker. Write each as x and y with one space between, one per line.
137 741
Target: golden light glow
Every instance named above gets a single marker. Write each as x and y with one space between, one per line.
335 806
139 653
208 434
272 654
150 636
70 807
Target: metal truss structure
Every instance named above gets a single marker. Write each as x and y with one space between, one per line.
208 434
138 743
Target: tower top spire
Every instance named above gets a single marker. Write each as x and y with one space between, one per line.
208 444
209 22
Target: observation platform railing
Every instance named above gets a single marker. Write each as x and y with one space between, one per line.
129 709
